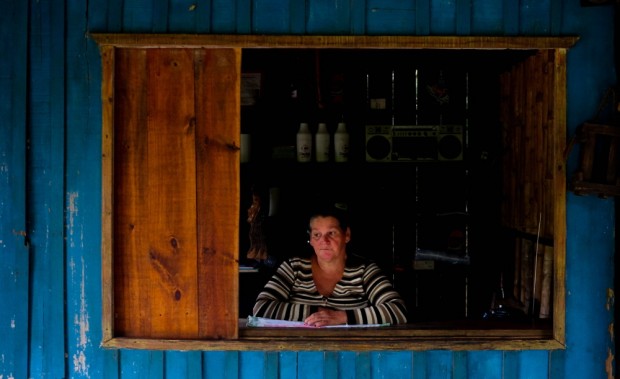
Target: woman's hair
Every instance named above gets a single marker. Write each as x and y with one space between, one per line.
337 210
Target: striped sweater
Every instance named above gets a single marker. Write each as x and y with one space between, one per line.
364 292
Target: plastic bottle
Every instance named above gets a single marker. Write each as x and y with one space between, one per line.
341 143
322 140
304 143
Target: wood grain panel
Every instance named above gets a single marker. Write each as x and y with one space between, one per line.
170 222
129 150
155 195
533 113
217 123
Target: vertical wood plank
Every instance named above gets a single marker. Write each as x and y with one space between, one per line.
221 364
223 16
137 16
535 16
299 16
347 365
422 17
288 364
533 364
363 367
14 248
511 17
443 17
244 16
328 17
98 14
486 17
217 136
107 163
558 134
252 364
203 17
463 17
418 364
395 17
183 364
358 17
273 16
460 365
484 364
331 365
82 191
439 364
112 10
129 154
46 196
164 15
510 366
156 192
555 17
272 364
557 364
310 365
391 364
168 254
140 364
183 17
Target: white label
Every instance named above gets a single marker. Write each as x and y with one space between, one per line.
304 148
341 147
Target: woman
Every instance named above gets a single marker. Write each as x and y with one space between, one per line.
332 287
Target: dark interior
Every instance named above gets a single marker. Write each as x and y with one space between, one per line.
428 211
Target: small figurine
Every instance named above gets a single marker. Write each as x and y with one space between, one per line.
256 217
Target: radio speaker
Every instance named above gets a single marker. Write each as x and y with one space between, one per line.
450 143
378 143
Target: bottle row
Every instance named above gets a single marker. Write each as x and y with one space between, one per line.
321 143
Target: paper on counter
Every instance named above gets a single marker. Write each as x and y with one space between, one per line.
262 322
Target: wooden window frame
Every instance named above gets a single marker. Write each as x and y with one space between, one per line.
410 337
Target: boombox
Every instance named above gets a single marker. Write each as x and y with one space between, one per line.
414 143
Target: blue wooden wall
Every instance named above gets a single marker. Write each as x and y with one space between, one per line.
50 185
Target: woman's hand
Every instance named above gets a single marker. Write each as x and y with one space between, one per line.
325 317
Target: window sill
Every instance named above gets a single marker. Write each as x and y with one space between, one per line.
456 336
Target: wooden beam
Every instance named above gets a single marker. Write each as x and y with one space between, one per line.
336 42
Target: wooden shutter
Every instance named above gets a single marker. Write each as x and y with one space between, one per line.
175 193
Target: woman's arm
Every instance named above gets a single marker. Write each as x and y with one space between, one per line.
386 305
273 302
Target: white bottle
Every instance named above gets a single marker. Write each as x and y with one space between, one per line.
304 143
321 143
341 143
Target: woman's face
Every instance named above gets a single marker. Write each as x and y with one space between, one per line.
328 239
